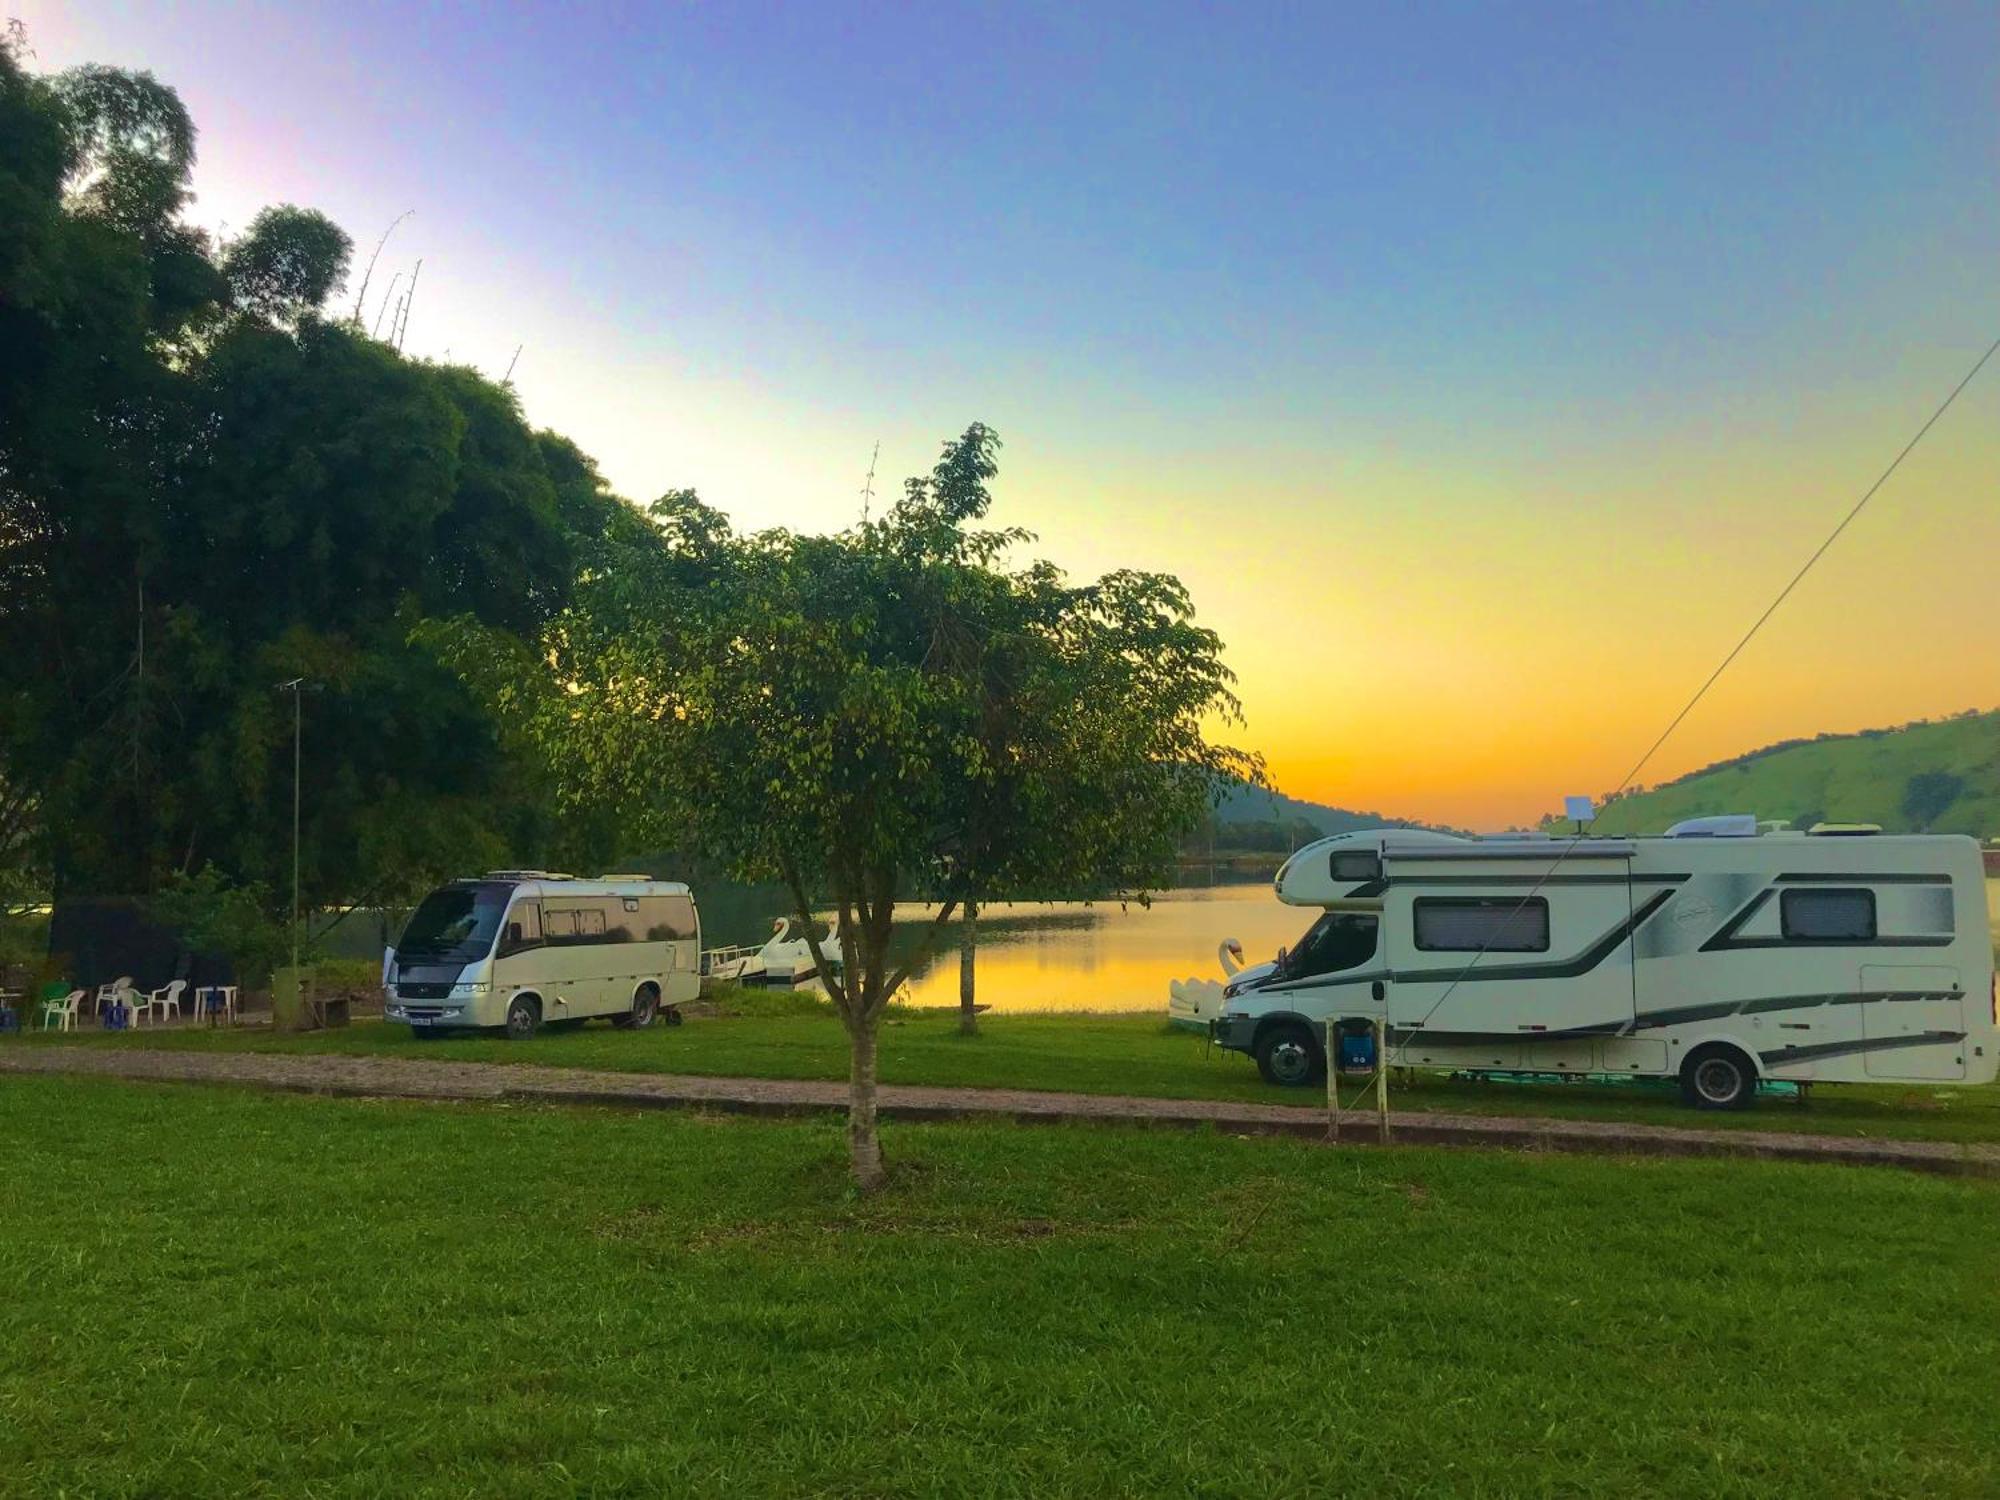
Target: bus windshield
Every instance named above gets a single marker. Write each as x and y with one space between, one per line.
454 925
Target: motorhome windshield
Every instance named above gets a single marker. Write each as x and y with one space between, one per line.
1338 940
454 925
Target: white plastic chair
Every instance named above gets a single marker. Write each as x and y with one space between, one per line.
106 993
168 998
137 1002
63 1010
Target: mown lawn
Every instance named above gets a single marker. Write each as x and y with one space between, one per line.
767 1035
221 1292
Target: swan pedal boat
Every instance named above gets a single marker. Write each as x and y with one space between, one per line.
1196 1002
783 960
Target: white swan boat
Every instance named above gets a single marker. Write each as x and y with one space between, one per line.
783 960
1196 1002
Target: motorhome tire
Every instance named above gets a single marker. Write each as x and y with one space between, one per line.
1289 1055
645 1005
524 1018
1718 1077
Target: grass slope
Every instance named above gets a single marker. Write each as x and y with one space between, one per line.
1864 778
790 1036
225 1293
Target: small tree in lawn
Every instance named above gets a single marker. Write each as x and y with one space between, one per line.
837 712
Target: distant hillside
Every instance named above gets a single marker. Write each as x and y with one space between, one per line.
1252 819
1253 805
1930 777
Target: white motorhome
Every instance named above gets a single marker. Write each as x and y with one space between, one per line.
1721 954
523 949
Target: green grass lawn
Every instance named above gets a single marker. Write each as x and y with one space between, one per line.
792 1036
223 1292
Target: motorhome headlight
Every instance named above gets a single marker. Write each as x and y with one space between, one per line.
465 989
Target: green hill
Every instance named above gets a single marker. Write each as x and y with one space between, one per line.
1930 777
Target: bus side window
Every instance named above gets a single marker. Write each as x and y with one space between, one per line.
668 919
559 927
523 929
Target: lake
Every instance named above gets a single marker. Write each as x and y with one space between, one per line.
1102 957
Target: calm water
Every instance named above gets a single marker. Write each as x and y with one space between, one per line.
1102 957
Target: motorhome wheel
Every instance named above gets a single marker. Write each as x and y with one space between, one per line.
1718 1078
1289 1055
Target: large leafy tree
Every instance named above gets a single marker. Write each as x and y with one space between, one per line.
883 715
207 488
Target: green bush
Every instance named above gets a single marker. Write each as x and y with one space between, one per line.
213 916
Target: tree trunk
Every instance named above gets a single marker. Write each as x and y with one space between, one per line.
864 1146
968 944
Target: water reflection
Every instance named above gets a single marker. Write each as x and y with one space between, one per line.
1103 956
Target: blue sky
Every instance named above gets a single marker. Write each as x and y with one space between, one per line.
1443 347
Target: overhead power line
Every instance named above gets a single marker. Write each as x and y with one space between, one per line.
1734 652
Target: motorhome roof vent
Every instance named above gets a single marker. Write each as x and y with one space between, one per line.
624 877
524 875
1721 826
1844 830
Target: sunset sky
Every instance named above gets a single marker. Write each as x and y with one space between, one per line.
1483 370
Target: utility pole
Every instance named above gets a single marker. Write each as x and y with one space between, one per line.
868 485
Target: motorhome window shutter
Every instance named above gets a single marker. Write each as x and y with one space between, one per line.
1828 916
1480 924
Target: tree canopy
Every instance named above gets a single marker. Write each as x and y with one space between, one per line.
208 485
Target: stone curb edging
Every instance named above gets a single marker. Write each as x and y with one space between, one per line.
375 1077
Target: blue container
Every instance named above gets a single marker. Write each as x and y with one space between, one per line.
1357 1052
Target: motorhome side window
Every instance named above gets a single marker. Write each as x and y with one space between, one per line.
1840 916
1481 924
1356 866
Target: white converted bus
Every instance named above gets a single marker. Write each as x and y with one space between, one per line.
1722 954
523 949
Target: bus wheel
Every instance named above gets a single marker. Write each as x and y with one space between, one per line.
1718 1077
524 1018
1289 1055
645 1005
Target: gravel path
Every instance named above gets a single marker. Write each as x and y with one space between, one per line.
404 1078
